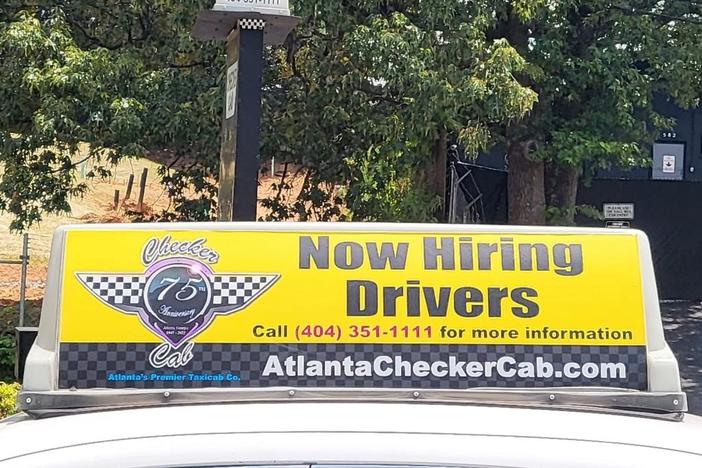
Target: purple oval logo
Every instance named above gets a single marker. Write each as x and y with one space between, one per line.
177 296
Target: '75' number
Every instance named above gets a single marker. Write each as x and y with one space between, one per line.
187 292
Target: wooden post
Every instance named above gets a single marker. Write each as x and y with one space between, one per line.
245 24
116 199
130 184
142 188
225 196
248 120
23 277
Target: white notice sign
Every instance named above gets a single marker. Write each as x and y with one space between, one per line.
232 74
253 5
669 164
618 210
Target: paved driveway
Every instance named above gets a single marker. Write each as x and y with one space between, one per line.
683 331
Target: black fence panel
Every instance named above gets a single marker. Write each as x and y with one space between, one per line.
669 213
487 184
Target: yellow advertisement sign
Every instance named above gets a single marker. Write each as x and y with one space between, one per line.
127 286
189 308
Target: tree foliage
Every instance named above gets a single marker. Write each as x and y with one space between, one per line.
8 399
597 66
359 99
103 80
366 88
357 96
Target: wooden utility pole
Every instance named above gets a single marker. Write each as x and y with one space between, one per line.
246 26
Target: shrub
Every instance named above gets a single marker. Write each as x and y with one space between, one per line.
8 320
8 397
7 358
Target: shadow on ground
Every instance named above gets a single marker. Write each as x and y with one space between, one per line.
682 322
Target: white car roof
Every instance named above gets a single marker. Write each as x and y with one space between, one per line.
24 435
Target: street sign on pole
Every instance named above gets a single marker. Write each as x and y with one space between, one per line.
246 25
217 23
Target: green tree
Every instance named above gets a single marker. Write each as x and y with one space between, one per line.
362 96
596 66
103 80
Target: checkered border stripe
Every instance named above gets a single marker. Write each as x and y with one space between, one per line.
116 289
251 23
86 365
237 290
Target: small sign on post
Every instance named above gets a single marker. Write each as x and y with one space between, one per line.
232 77
618 211
264 7
618 224
216 24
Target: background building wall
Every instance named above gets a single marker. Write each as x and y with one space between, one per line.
669 211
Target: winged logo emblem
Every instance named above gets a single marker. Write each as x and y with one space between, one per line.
177 298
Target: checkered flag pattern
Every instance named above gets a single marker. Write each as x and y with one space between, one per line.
238 290
90 365
116 290
250 23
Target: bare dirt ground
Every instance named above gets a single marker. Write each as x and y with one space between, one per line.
96 206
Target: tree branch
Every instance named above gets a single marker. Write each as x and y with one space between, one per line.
72 165
282 180
633 12
381 96
96 41
202 63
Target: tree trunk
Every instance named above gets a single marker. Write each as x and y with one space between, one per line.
561 182
526 199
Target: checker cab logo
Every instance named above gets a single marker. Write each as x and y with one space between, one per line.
178 295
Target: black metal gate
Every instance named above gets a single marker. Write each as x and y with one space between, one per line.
669 213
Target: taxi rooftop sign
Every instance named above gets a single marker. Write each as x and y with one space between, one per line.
370 306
